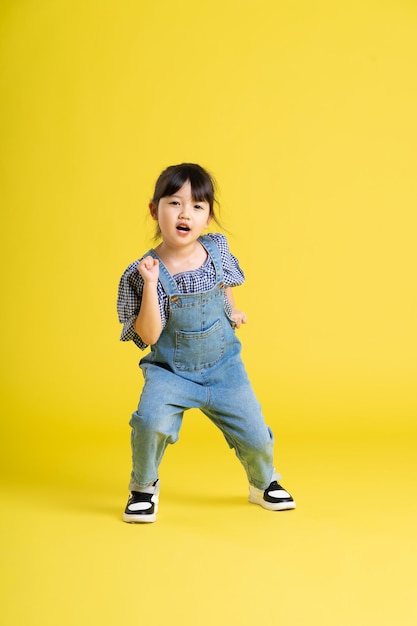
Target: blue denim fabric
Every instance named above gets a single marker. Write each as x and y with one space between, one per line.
196 363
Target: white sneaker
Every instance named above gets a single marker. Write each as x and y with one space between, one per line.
274 498
142 506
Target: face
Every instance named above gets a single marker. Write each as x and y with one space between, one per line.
181 219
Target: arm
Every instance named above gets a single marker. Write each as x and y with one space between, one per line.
238 316
148 324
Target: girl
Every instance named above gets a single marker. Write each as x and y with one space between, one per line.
177 298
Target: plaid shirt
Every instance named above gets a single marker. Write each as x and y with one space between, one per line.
199 280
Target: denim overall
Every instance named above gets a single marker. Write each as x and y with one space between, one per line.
196 363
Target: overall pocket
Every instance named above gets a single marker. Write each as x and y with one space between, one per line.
198 350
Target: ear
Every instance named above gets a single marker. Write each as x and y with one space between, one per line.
153 210
210 217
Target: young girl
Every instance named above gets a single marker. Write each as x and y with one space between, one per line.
177 298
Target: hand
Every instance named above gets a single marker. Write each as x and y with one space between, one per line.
239 317
149 269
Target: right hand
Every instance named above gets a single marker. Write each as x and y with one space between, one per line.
149 269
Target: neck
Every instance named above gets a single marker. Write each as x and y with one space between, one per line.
182 258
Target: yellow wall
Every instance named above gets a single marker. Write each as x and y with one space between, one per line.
305 113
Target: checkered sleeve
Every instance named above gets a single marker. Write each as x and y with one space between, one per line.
129 299
233 275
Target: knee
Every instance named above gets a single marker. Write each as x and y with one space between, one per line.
154 426
260 441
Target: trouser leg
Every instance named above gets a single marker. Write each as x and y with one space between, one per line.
157 420
239 417
150 436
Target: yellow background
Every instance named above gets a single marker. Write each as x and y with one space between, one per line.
305 112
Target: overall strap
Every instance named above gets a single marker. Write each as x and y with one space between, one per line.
215 255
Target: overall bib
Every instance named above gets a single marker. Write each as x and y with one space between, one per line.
196 363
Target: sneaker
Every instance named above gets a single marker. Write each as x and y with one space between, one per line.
274 498
142 506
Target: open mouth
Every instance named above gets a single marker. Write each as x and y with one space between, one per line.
183 228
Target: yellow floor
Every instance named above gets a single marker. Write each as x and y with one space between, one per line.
346 555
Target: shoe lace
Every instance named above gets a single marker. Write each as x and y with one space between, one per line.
139 496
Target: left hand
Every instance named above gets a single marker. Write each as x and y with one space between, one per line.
239 317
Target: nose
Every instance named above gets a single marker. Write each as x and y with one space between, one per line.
185 212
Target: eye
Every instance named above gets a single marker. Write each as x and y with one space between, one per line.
174 203
199 207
